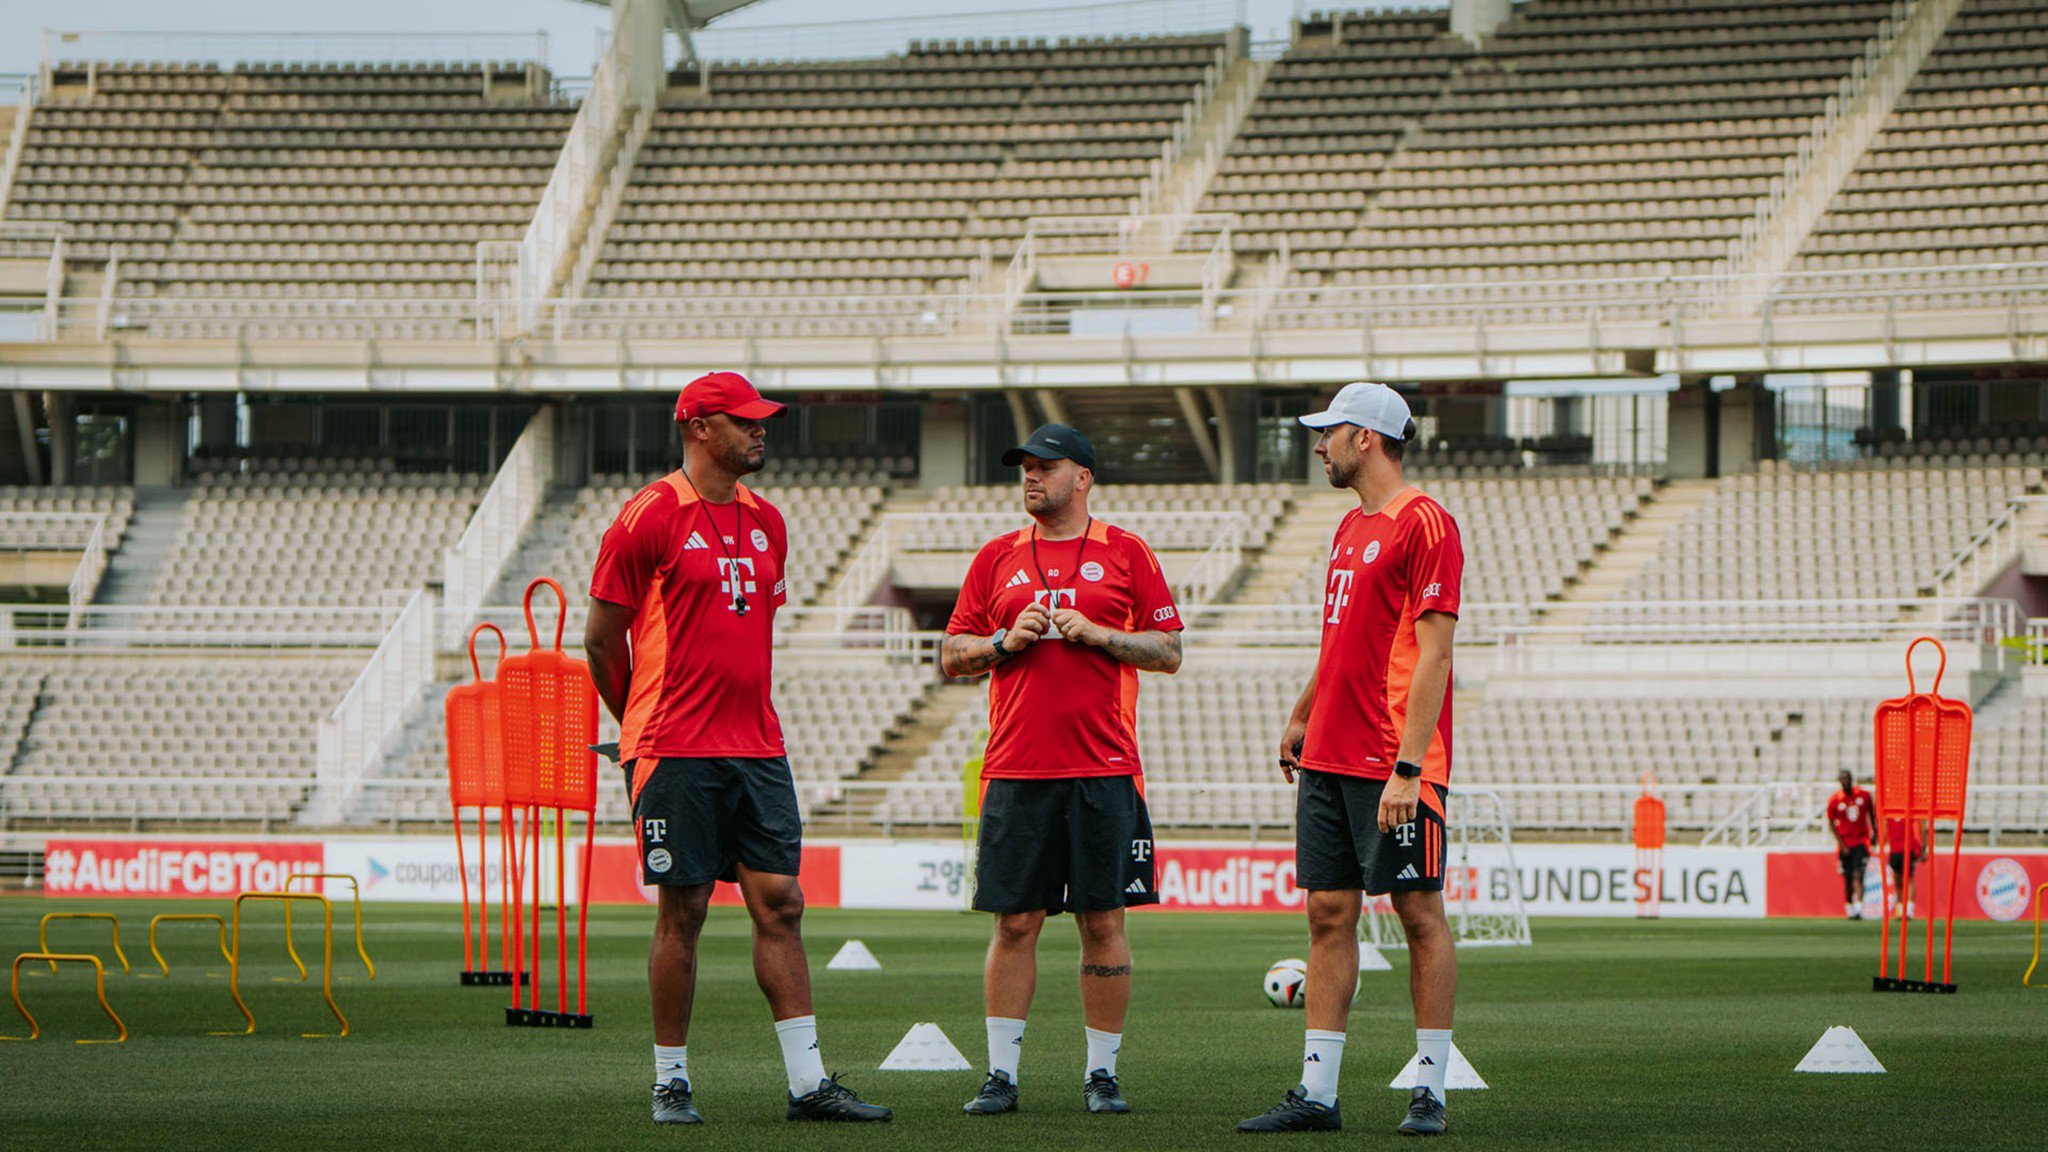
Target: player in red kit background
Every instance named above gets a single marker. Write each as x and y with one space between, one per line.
682 626
1062 614
1852 816
1369 749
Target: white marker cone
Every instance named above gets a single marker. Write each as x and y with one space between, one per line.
1460 1075
853 956
925 1049
1371 959
1840 1049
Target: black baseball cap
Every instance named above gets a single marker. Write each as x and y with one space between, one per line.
1053 442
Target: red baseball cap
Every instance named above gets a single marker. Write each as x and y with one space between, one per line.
727 392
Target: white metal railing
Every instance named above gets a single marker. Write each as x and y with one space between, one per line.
471 568
92 565
131 47
1300 626
1676 636
1758 226
1186 192
1992 550
1177 142
2012 297
1213 573
2037 641
352 737
1724 815
53 288
109 283
822 629
136 627
912 534
548 247
17 141
858 38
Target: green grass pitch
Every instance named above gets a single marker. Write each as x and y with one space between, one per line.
1609 1034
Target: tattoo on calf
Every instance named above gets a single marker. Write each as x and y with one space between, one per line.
1105 969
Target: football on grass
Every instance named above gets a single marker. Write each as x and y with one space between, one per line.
1284 982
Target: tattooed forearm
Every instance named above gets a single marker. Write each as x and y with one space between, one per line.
964 655
1105 969
1147 651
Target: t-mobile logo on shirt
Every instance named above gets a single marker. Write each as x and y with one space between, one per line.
726 568
1340 592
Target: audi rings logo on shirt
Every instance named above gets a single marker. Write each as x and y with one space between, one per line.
1372 553
659 860
760 540
1091 571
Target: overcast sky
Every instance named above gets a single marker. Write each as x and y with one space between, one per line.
571 26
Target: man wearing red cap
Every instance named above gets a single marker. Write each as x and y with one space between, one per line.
691 574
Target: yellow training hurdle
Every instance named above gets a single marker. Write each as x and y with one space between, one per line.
189 917
356 895
43 933
99 972
2027 980
326 960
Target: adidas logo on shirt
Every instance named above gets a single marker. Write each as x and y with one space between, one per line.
1137 886
1408 873
695 541
1020 578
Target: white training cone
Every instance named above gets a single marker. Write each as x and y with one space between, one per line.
853 956
925 1049
1840 1049
1460 1075
1371 959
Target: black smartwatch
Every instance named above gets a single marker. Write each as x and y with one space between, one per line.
1002 653
1407 769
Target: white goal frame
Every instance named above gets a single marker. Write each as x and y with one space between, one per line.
1472 816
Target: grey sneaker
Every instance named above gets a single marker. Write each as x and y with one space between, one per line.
1426 1115
1296 1113
1102 1094
998 1094
834 1101
672 1104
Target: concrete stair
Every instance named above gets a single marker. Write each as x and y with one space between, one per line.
152 532
1629 553
900 751
1300 536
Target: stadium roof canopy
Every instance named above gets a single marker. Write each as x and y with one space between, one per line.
687 16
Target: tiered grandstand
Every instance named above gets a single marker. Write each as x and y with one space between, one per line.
1722 319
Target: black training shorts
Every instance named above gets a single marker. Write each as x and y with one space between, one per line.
1854 858
1075 845
1338 845
696 819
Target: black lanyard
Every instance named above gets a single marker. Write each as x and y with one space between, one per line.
732 562
1079 554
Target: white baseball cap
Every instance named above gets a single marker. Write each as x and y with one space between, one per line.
1367 405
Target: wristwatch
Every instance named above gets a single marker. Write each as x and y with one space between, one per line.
1002 653
1407 769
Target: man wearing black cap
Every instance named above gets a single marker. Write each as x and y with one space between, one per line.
1063 615
691 573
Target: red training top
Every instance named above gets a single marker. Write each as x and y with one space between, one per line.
1060 709
1901 836
701 669
1853 816
1385 571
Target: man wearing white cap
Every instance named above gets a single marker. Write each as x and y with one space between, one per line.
1369 745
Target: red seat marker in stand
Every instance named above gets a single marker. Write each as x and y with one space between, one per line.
476 779
1923 775
550 721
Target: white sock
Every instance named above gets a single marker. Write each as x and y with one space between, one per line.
1433 1047
1320 1058
1102 1050
1005 1045
671 1063
800 1056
